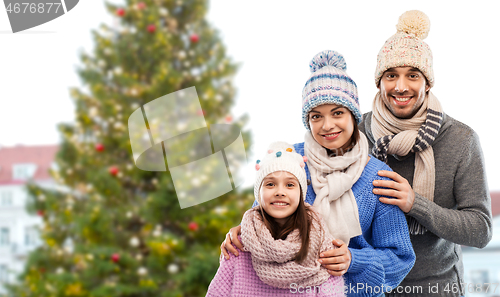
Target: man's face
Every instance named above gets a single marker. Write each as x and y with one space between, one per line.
403 90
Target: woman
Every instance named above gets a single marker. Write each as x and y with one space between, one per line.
374 249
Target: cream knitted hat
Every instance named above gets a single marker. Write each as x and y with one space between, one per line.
281 156
406 47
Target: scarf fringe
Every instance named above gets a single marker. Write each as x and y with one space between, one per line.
414 227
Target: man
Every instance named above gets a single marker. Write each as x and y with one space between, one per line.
439 175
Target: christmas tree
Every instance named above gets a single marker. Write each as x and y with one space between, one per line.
110 228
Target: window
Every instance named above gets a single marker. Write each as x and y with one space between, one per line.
30 236
6 198
480 277
4 273
23 171
4 236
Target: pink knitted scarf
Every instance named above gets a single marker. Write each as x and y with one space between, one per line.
272 259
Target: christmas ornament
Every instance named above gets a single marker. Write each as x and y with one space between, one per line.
59 270
93 111
173 268
134 241
193 226
194 38
115 257
138 257
151 28
141 5
120 12
163 11
181 55
99 147
40 213
113 170
220 210
118 125
101 63
41 197
229 119
172 24
142 271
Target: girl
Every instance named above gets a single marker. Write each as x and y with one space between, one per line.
375 252
283 237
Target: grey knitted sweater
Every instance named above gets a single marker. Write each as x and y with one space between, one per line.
459 215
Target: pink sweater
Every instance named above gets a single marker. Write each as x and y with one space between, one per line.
237 278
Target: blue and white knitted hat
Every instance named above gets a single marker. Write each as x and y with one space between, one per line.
329 84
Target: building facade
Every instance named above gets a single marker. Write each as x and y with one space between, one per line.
482 266
19 231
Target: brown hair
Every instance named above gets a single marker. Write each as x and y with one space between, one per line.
300 219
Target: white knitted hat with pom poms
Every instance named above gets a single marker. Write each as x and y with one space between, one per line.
406 47
281 156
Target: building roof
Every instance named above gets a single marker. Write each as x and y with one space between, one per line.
495 203
494 244
41 155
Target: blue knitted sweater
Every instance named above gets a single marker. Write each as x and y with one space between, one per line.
383 255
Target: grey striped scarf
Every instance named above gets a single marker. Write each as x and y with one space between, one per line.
402 136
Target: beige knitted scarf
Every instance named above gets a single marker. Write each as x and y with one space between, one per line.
332 179
397 136
273 260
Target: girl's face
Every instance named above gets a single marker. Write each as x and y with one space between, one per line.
332 126
279 195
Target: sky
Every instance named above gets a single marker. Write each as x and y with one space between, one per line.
273 41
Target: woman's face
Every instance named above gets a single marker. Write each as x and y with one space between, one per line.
332 126
279 195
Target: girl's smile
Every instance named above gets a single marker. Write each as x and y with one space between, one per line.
280 195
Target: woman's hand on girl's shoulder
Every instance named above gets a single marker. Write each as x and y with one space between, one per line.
337 260
231 238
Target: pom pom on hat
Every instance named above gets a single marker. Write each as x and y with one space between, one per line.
414 22
327 58
407 48
329 83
